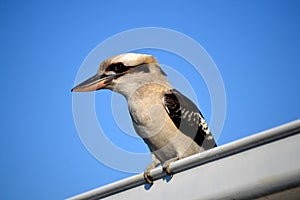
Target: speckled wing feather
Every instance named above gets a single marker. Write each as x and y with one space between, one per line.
188 119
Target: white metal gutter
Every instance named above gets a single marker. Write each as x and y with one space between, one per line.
265 165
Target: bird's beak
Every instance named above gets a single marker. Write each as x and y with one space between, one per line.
96 82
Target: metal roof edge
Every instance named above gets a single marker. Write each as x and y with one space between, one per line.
212 155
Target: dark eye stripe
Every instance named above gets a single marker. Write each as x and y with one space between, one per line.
117 67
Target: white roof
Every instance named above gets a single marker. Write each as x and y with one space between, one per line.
262 166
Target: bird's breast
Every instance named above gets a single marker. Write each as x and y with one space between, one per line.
147 111
153 124
148 119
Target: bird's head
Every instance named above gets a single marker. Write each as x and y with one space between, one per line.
123 72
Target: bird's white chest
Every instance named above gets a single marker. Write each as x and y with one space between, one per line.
148 115
153 124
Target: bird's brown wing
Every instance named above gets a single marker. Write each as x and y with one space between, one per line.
188 119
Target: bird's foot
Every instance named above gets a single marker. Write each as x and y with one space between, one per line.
166 166
148 178
168 171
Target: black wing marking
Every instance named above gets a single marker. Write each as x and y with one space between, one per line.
188 119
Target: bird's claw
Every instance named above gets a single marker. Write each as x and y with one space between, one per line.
148 178
168 171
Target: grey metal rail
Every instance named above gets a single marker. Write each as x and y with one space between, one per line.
207 157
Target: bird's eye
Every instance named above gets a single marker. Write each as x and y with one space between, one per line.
117 68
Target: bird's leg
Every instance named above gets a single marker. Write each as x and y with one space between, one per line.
148 178
166 166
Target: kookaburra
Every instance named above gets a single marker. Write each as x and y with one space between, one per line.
170 124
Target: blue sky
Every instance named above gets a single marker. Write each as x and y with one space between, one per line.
255 45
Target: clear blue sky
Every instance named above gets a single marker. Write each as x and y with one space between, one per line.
255 44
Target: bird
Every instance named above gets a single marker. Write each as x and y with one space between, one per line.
170 124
